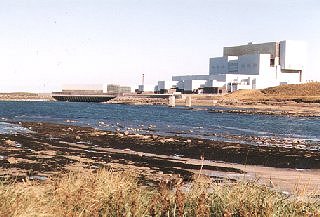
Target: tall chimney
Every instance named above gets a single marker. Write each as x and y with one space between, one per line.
143 79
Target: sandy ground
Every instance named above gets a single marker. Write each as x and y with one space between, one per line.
53 149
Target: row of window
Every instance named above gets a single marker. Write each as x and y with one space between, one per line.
249 65
236 65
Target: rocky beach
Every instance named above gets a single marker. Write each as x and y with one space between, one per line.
50 149
53 153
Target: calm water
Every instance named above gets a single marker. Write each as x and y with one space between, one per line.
159 119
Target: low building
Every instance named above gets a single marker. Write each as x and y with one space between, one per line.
163 87
125 89
83 88
116 89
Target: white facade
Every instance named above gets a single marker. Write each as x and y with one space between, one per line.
260 65
251 66
292 55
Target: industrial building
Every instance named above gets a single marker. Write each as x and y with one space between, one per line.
250 66
163 87
82 88
116 89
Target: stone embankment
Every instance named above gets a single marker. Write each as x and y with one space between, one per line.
139 100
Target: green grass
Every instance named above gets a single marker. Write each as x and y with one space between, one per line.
108 193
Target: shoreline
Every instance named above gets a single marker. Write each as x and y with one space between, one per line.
55 148
277 107
292 107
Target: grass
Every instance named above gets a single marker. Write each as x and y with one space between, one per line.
307 92
107 193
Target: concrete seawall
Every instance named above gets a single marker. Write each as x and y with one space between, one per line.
83 98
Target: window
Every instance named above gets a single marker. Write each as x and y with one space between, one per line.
271 62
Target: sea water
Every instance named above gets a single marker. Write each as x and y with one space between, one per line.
160 120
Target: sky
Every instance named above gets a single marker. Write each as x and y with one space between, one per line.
45 44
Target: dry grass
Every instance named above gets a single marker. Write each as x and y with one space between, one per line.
308 92
245 95
108 193
307 89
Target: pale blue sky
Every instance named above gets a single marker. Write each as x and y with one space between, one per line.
47 43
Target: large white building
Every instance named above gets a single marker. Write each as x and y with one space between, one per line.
251 66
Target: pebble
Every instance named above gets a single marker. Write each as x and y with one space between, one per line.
10 142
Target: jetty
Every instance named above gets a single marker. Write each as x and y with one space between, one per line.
81 97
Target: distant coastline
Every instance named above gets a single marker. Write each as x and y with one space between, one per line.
301 100
25 96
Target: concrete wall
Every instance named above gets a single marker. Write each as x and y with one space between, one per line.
233 66
292 55
180 85
161 85
271 48
190 77
267 74
164 85
289 78
190 85
214 83
249 64
218 65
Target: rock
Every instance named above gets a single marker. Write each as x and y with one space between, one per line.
162 140
12 160
3 157
301 147
10 142
145 137
126 132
